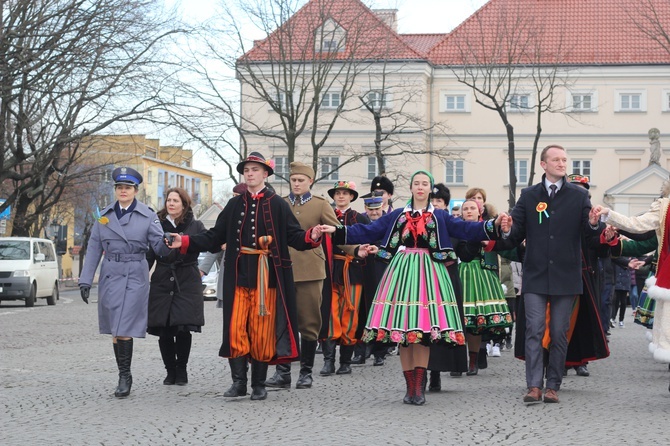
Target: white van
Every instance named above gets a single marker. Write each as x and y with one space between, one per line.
28 270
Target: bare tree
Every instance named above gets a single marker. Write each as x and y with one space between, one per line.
69 69
650 17
498 70
302 74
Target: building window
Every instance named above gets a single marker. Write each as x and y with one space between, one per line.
282 168
582 102
377 99
107 176
150 177
521 171
330 100
581 167
171 182
631 101
372 167
519 102
665 101
329 38
454 172
455 102
329 165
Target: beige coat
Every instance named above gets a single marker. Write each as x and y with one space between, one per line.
311 264
653 219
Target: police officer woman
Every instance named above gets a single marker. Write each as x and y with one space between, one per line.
121 237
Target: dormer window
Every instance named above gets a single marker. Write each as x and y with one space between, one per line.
329 38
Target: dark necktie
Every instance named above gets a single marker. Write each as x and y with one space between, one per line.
552 194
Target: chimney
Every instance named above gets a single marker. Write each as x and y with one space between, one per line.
388 16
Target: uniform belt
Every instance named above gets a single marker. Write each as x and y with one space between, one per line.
120 257
263 276
347 283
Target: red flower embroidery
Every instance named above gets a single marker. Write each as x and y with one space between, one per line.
411 337
381 334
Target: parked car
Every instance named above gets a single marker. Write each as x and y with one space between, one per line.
210 282
28 270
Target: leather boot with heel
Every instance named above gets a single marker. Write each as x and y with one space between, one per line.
183 347
328 348
125 356
169 355
259 373
282 377
238 371
307 354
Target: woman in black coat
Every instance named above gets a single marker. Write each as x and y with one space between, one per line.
175 297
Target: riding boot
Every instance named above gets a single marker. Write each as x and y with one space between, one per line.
473 367
166 345
238 371
259 373
419 377
282 377
184 339
482 363
307 352
409 380
328 348
346 352
435 381
125 349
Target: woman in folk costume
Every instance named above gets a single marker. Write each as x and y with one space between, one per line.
176 306
658 288
415 304
484 302
121 237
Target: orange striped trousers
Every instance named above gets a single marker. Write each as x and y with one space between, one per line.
251 333
344 313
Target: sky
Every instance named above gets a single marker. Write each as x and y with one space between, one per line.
414 16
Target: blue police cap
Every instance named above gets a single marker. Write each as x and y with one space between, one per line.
373 202
126 175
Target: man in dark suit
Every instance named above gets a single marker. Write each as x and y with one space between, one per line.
551 216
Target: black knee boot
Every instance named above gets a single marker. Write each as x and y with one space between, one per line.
125 356
307 353
435 384
184 339
259 373
166 345
346 352
282 377
238 371
328 348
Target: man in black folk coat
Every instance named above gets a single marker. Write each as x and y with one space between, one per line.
552 217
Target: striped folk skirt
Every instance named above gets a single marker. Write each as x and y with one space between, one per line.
644 313
414 303
484 303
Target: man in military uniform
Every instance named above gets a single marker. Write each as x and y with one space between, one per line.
309 271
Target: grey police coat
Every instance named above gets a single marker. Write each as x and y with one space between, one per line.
123 286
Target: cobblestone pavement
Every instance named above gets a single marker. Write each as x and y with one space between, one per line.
57 377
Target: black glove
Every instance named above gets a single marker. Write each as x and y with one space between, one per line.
85 290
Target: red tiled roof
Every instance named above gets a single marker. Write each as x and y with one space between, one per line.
368 37
422 43
570 32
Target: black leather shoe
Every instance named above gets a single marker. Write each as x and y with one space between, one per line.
259 393
378 361
582 371
358 360
304 381
345 369
455 374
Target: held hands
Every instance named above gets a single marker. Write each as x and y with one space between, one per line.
85 292
610 233
635 264
172 240
504 222
326 229
315 233
366 249
597 211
